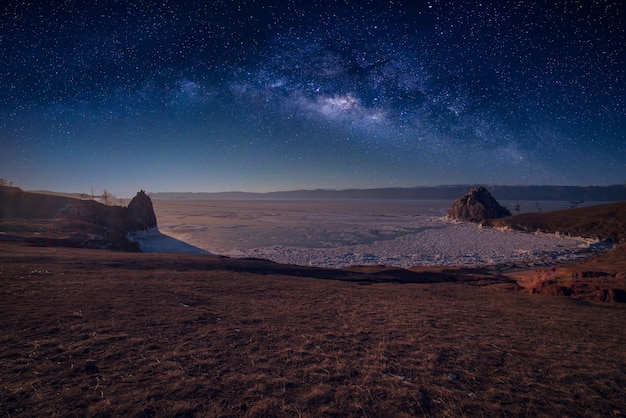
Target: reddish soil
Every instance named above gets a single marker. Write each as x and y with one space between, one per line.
100 333
601 278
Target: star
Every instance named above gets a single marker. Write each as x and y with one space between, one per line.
367 95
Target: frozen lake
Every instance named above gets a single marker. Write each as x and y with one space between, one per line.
332 233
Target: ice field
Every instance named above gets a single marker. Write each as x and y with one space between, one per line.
354 232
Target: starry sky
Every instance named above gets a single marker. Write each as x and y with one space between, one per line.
263 96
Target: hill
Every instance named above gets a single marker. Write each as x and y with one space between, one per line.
67 221
604 222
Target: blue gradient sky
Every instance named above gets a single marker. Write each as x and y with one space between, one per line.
254 96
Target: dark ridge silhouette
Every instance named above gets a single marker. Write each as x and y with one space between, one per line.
605 222
60 220
516 193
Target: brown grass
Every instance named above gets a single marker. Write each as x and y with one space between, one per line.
605 222
98 333
601 278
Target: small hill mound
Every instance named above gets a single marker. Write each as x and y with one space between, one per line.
476 206
604 222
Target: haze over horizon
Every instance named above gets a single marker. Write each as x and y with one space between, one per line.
243 96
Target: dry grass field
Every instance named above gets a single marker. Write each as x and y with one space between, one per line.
103 334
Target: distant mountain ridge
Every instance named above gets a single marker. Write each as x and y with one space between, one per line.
612 193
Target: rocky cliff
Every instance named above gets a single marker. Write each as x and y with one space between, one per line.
140 213
73 222
476 206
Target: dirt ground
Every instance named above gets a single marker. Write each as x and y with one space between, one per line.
598 279
102 334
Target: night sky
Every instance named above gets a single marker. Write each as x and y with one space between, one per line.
262 96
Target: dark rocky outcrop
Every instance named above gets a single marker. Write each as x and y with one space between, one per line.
476 206
75 222
140 213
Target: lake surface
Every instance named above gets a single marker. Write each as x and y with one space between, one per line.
338 233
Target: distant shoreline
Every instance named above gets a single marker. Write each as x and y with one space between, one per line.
613 193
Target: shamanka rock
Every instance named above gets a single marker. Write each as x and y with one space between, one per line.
140 213
476 206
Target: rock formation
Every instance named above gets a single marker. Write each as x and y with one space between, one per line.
60 220
140 213
476 206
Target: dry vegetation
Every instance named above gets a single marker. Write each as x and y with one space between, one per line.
100 333
605 222
601 278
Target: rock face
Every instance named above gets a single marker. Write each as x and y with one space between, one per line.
46 219
476 206
140 213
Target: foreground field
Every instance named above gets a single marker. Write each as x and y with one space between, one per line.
98 333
